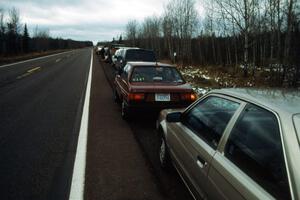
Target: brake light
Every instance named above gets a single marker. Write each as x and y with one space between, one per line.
136 96
188 96
193 96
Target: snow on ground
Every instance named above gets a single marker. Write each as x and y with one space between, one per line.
206 79
201 91
195 72
191 74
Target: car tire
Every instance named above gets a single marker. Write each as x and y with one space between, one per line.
125 113
164 157
116 97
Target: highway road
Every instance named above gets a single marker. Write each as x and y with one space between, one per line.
40 111
143 127
62 135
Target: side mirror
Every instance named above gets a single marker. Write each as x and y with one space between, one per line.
174 117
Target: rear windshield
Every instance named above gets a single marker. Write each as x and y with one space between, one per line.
296 120
140 55
156 74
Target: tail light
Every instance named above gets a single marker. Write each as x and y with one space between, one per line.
193 97
188 96
136 96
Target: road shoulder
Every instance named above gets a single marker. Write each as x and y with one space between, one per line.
115 166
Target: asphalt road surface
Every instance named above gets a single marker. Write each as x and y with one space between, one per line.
40 112
115 166
41 104
143 129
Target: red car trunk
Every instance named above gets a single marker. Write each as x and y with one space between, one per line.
178 92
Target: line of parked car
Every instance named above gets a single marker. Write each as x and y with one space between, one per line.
228 144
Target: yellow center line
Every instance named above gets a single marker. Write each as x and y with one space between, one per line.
33 69
29 72
23 75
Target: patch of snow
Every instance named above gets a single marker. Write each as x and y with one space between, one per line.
200 91
205 77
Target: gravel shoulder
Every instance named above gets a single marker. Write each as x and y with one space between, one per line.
144 131
115 168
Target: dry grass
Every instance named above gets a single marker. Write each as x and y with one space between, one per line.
12 59
212 77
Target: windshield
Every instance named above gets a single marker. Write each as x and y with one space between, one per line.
296 120
140 55
156 74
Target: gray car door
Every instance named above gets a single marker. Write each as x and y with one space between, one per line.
194 140
252 164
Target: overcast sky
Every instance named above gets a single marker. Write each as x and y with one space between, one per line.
94 20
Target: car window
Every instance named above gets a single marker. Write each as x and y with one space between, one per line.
209 118
125 72
140 55
254 145
156 74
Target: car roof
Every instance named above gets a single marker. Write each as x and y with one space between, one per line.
278 100
154 64
136 48
126 48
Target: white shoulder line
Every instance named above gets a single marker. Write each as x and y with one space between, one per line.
78 178
39 58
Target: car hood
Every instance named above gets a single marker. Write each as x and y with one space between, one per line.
160 87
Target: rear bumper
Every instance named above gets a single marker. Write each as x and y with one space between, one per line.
155 106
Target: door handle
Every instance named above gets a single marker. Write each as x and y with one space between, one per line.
201 162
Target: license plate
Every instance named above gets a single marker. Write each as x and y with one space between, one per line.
162 97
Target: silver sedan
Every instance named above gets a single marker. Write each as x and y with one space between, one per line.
235 144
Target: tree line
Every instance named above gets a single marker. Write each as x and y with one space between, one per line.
16 40
250 35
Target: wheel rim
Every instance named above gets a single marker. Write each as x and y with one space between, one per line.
162 152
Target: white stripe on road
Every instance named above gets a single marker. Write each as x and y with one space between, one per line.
78 178
25 61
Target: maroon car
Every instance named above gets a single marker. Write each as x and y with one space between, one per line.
141 86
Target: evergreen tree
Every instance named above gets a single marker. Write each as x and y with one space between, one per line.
2 32
25 40
120 39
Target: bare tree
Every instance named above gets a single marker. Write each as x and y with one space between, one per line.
13 29
2 23
182 16
289 20
41 32
251 33
131 31
168 32
14 20
151 33
243 15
